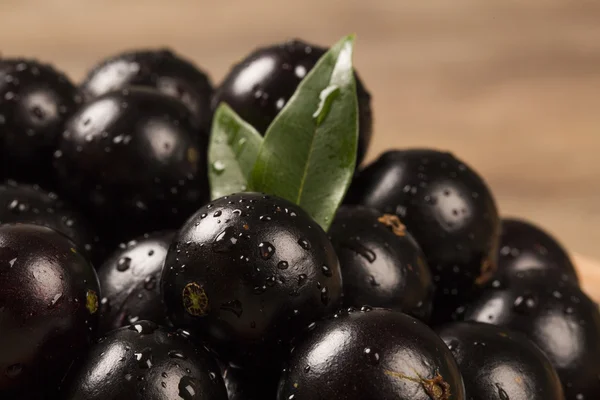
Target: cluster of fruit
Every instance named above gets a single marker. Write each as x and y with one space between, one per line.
132 283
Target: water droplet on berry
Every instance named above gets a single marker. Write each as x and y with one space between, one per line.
326 271
266 250
123 264
144 358
525 304
282 265
372 355
304 244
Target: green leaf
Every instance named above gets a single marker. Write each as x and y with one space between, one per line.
308 154
232 152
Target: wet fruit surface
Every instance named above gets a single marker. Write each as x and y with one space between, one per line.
447 208
146 362
35 100
30 204
48 308
558 317
382 265
236 299
246 272
135 159
160 69
250 384
130 282
260 85
500 364
371 355
527 248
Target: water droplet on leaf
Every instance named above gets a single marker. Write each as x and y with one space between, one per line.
218 166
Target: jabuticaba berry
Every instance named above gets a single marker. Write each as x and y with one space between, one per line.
497 363
557 316
35 101
22 203
370 355
161 69
448 209
130 282
48 309
248 384
135 160
382 265
260 85
246 273
145 362
525 247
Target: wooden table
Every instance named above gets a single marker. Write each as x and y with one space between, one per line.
510 86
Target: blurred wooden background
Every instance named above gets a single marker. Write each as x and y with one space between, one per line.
511 86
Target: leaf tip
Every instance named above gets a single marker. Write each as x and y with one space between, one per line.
223 108
347 47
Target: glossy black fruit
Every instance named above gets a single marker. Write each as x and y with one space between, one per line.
382 265
130 282
30 204
260 85
135 160
146 362
160 69
48 309
447 208
500 364
371 355
35 100
244 384
558 317
246 272
525 247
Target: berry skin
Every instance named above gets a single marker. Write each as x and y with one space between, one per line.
35 101
130 282
134 159
527 248
382 265
145 362
557 316
30 204
447 208
500 364
160 69
48 309
259 86
371 355
246 273
244 384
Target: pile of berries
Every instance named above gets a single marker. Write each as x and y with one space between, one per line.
121 279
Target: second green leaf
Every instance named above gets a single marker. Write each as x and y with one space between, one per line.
308 155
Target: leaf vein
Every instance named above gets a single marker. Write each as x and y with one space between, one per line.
305 171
